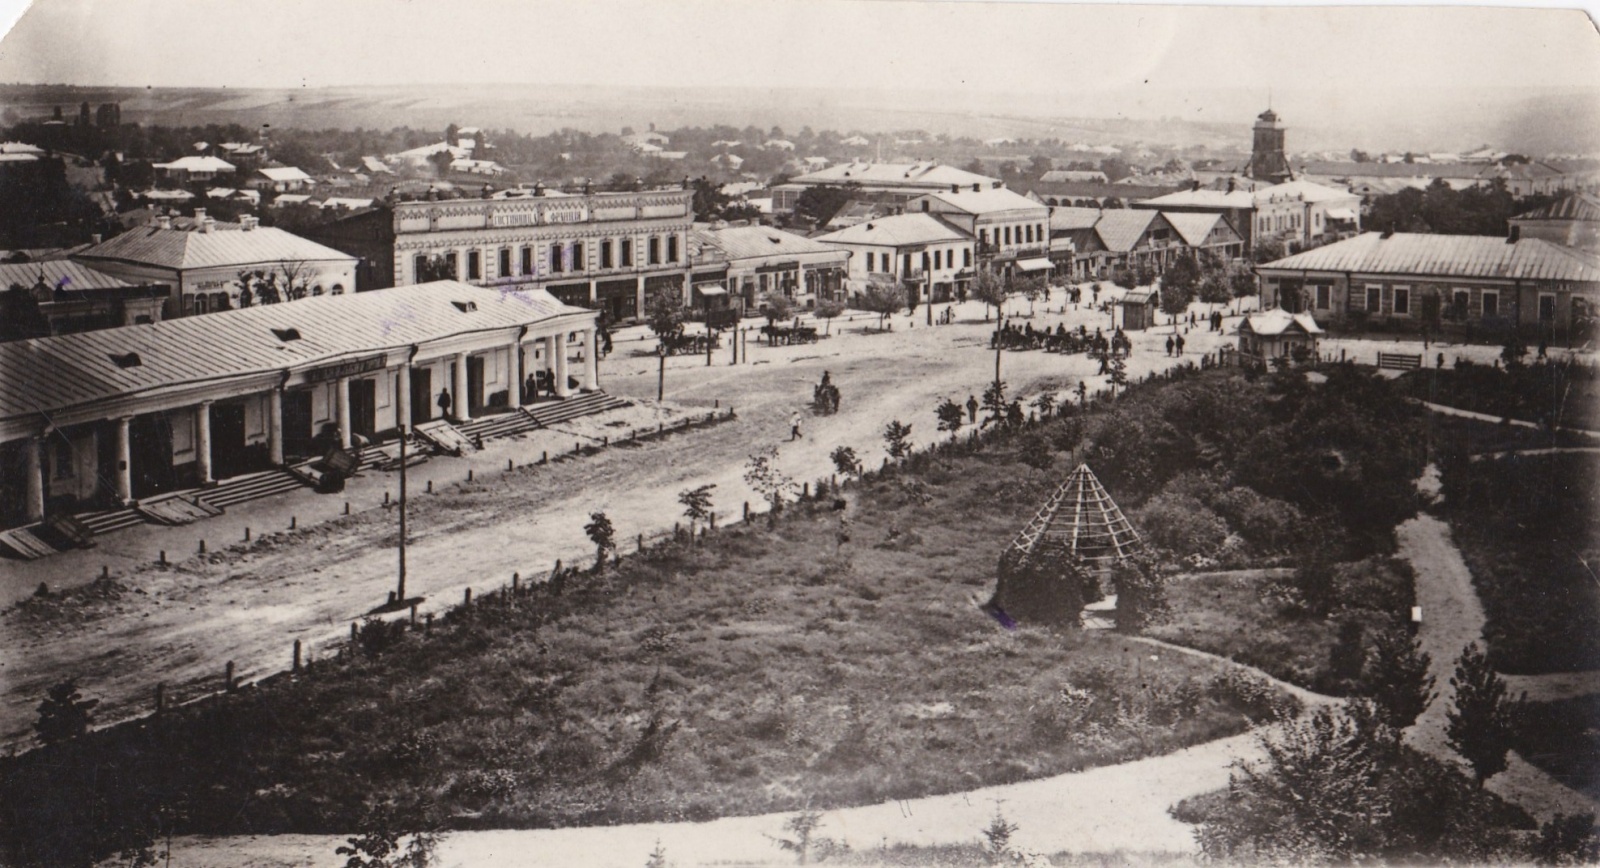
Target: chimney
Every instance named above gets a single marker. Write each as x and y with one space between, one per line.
955 188
247 223
94 238
164 221
199 215
1515 236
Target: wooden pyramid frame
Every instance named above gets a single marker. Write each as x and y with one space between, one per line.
1081 518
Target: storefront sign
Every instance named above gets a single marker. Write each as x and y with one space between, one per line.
351 368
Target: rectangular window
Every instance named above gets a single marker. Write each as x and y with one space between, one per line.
1006 233
1547 308
1491 304
1038 232
627 252
966 257
655 250
868 261
1324 296
936 256
1374 298
1402 301
983 236
578 263
527 260
555 258
419 267
927 262
452 266
672 248
505 262
474 265
605 254
1460 300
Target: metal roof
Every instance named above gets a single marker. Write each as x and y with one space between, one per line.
197 164
1121 228
1447 256
178 249
1066 219
43 375
56 274
1194 229
896 174
1203 199
284 173
989 201
897 231
1579 206
1277 321
758 242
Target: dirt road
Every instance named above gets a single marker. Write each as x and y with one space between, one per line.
184 622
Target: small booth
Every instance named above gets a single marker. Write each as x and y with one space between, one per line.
1276 333
1139 308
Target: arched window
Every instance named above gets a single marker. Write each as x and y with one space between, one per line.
316 290
338 289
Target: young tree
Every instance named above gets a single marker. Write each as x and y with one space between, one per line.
1481 720
64 714
1119 373
951 416
1178 286
882 300
1241 283
776 307
846 462
762 474
1398 679
1214 289
817 205
827 311
664 315
385 842
997 835
994 402
1032 289
1124 277
1035 451
897 439
1045 403
1268 250
696 504
988 288
603 535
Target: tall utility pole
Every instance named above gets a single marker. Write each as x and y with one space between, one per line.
661 371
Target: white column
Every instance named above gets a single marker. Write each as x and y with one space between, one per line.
402 419
560 362
124 463
275 425
342 399
202 441
461 407
33 466
591 356
639 301
518 373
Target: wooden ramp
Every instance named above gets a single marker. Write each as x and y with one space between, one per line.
178 509
24 544
444 437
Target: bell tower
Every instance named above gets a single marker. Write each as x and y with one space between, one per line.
1268 162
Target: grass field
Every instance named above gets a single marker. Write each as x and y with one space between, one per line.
766 669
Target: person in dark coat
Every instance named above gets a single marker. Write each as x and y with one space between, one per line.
444 402
972 409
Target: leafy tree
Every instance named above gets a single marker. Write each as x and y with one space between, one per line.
882 300
1268 249
846 462
1178 285
976 167
1118 367
1398 679
696 503
827 311
1482 720
897 439
817 205
951 416
776 307
988 288
762 474
1513 350
1144 274
1141 593
1567 839
664 315
1045 403
1035 451
64 714
1313 582
1038 164
1241 282
709 200
1214 288
603 535
1031 288
1124 277
384 842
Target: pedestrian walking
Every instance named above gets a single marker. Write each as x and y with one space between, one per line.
1178 341
1169 345
794 426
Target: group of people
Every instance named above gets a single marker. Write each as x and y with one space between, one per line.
539 382
1174 345
825 395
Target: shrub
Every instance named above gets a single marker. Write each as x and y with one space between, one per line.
1182 525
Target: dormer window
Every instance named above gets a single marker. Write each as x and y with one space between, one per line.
127 360
287 335
465 306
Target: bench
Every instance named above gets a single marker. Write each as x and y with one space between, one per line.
1399 361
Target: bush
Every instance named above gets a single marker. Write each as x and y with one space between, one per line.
1182 525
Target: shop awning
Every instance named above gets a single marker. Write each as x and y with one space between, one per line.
1035 265
1341 214
711 290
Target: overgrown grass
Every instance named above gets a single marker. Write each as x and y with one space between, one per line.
1561 738
1247 616
1529 529
761 670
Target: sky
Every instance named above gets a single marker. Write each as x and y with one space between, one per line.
974 47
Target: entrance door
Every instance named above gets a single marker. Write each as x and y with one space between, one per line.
150 448
474 384
297 431
1431 310
229 456
421 395
363 407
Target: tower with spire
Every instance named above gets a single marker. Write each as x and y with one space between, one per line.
1268 162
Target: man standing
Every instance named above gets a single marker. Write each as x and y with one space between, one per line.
972 410
444 403
1169 345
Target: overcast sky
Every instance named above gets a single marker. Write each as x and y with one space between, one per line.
971 46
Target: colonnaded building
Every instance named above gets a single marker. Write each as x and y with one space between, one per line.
103 418
609 251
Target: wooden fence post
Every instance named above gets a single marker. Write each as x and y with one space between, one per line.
227 676
296 668
161 697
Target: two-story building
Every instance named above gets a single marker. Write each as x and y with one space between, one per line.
1012 231
920 250
1473 281
897 183
210 265
607 251
59 296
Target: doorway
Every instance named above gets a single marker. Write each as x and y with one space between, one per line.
421 395
150 454
363 407
297 431
229 455
474 385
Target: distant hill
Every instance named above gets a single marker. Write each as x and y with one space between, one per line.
1540 122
